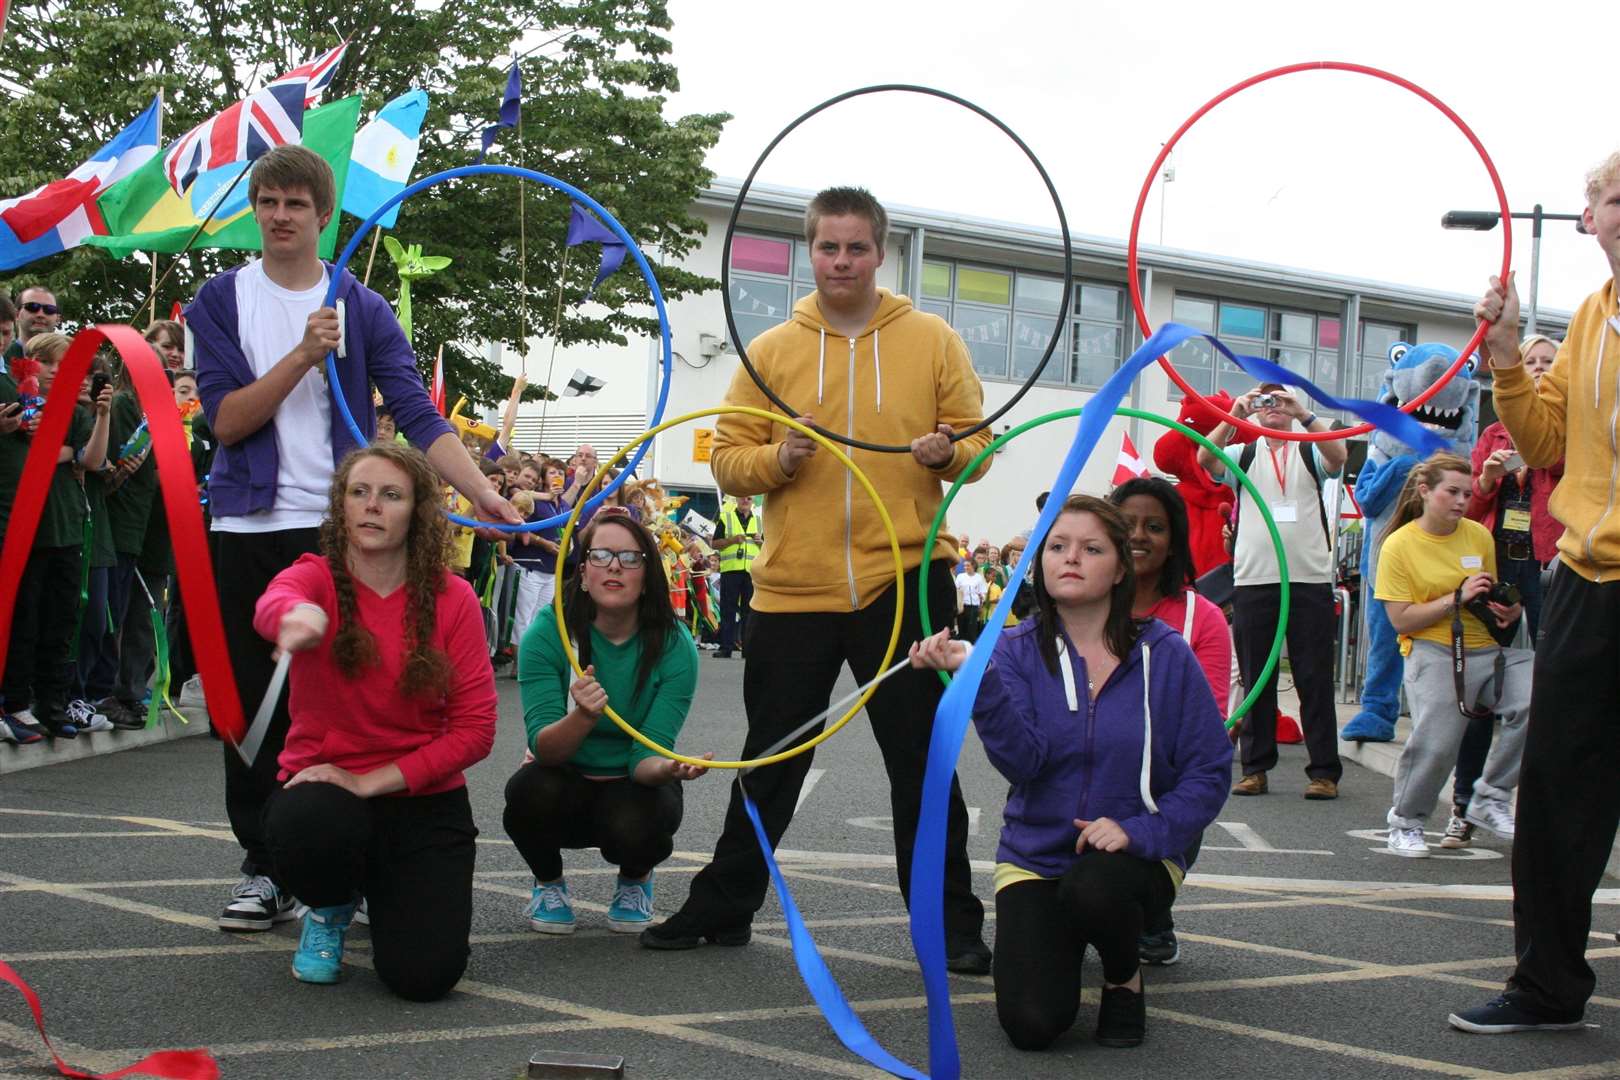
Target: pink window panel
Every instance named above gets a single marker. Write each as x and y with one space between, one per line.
761 256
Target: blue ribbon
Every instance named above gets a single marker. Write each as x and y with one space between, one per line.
955 713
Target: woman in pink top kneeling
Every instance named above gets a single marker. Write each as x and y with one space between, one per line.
1162 554
392 696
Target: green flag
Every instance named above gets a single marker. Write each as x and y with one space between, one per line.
143 213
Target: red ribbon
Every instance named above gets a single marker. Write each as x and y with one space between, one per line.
178 484
168 1064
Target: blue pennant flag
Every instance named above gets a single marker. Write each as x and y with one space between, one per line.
583 228
511 105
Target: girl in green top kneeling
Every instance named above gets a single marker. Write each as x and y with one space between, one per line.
588 783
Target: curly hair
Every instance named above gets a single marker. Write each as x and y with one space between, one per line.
427 545
1121 630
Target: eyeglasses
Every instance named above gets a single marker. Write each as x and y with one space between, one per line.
629 560
34 307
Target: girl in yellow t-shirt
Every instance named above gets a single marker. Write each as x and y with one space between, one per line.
1434 565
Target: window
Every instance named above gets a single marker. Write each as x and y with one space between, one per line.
769 274
1304 342
1007 318
1376 338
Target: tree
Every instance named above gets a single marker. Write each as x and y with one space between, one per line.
596 73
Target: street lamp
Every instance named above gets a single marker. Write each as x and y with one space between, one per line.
1486 220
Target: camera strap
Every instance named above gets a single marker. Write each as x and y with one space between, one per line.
1459 665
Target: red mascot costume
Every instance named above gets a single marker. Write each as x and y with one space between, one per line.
1206 500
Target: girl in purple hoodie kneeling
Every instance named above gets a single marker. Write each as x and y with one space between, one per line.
1108 732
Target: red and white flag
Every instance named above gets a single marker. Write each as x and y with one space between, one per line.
437 394
1130 465
265 119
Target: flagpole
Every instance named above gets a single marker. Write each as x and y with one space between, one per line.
201 225
556 332
376 235
151 316
523 258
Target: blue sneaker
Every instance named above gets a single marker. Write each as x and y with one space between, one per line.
319 958
14 730
631 910
548 910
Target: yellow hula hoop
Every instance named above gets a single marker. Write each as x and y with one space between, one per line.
883 515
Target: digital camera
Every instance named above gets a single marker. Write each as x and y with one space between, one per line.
1265 401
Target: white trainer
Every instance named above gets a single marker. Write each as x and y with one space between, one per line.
1408 843
1492 815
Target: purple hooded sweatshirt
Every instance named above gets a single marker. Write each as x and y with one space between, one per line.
1069 755
243 477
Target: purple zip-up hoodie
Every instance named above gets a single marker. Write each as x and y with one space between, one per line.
1071 756
243 477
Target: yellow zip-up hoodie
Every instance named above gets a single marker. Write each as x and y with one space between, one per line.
905 374
1574 414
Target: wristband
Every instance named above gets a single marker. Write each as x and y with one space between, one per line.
1309 420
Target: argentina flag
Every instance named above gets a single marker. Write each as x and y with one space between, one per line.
383 157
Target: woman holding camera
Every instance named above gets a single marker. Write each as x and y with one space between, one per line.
1437 578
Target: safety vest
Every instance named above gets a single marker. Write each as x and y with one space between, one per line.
739 556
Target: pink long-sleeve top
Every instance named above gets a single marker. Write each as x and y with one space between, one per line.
364 723
1211 638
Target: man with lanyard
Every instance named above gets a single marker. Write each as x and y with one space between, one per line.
1289 478
260 337
736 541
871 366
1569 803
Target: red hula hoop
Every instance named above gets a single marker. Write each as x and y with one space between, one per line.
1132 279
177 483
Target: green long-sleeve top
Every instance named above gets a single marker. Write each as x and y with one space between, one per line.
657 709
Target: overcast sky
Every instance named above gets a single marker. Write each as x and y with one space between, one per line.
1325 170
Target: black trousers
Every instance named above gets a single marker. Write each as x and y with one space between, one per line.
551 807
1569 803
1311 632
42 619
1043 928
411 856
736 590
793 663
244 564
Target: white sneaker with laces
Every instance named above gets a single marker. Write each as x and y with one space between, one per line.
256 904
86 718
1492 815
1408 843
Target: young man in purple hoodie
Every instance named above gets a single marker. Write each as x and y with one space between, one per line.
260 335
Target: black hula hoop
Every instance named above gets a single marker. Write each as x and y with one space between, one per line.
736 211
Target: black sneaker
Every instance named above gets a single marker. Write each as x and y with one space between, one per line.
720 654
1122 1017
1503 1015
967 957
256 904
1161 949
56 723
683 931
122 716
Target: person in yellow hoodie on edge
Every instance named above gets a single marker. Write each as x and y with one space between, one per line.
862 362
1569 802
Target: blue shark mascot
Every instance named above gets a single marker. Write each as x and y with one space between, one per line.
1452 413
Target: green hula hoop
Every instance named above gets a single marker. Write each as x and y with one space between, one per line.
1066 414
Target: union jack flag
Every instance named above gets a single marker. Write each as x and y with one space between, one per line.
271 117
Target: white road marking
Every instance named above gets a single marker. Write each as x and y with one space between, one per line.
811 779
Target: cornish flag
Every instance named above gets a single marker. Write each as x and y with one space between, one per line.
271 117
1130 465
61 214
581 384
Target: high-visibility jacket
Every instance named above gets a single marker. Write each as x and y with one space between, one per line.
739 556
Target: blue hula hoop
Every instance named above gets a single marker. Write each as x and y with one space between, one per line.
612 223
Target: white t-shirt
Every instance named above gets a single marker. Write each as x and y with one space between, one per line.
971 589
270 323
1280 475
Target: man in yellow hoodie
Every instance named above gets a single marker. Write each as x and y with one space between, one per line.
862 362
1569 801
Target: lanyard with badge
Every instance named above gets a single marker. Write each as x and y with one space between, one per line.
1283 510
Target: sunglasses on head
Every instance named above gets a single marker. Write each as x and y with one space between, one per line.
629 560
34 307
